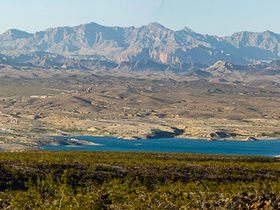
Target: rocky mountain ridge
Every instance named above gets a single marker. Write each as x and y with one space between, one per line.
37 63
150 42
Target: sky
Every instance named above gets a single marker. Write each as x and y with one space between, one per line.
213 17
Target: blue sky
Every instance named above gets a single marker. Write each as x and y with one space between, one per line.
215 17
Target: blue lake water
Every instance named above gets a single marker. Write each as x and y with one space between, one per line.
263 148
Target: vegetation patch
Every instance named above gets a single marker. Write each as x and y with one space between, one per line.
137 180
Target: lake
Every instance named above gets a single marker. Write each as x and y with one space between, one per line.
263 148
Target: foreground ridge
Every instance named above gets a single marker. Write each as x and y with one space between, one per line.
102 180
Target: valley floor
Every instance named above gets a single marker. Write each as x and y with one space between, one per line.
133 108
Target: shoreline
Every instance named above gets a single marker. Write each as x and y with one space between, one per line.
176 137
203 147
39 141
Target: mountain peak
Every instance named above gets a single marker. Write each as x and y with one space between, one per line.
90 25
16 34
248 33
187 29
270 33
241 33
155 25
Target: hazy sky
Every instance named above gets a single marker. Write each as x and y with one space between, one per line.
215 17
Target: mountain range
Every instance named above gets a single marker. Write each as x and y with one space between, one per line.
150 42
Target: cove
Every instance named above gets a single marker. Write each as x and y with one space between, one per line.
260 148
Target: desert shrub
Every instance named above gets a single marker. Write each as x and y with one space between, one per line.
137 180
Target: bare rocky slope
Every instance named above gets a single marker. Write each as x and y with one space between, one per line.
149 42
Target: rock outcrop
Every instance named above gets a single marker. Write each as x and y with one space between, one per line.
251 139
218 135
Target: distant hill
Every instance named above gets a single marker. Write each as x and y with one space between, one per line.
221 71
150 42
223 66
